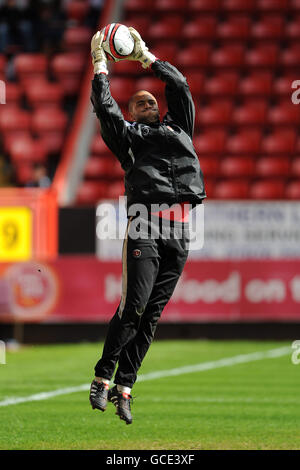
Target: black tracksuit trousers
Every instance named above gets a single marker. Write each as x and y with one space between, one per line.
151 269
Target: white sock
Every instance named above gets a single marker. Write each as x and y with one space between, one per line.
123 389
101 379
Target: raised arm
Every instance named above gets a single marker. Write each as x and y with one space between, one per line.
114 129
179 99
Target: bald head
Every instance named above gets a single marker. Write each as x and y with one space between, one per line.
143 107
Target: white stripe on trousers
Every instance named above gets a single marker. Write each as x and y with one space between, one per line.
124 271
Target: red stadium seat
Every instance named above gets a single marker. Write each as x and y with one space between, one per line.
24 172
128 67
295 167
166 29
209 187
28 150
284 114
292 190
279 141
90 192
209 166
210 142
49 125
265 55
46 119
295 5
290 57
67 68
266 189
283 85
270 167
228 56
67 63
99 167
231 189
193 57
115 190
151 84
31 65
253 113
201 6
170 6
14 119
166 51
237 167
297 147
199 28
98 146
13 93
196 81
215 114
136 6
244 142
43 93
293 30
77 39
53 140
256 84
77 10
271 27
11 136
273 5
239 5
224 84
237 28
122 89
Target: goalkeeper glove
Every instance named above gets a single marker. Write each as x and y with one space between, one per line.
140 52
99 58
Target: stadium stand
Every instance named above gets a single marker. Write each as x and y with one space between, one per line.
240 58
43 71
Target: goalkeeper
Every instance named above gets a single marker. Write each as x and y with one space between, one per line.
161 167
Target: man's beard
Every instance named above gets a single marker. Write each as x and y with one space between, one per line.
151 118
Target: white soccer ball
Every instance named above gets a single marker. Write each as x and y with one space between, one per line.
117 42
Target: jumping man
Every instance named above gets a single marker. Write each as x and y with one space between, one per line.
161 167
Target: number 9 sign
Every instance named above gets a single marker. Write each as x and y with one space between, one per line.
15 233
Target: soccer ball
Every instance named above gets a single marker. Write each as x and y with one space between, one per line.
117 42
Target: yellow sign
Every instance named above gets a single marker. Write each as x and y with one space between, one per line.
15 233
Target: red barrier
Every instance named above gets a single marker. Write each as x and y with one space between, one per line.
83 289
28 224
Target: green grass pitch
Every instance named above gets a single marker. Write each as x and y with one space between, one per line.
253 405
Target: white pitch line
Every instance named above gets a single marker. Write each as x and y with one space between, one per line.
225 362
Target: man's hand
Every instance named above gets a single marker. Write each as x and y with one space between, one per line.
99 58
140 52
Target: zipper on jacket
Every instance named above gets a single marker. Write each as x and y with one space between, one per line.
172 167
174 179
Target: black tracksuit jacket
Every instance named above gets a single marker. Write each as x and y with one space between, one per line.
159 160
